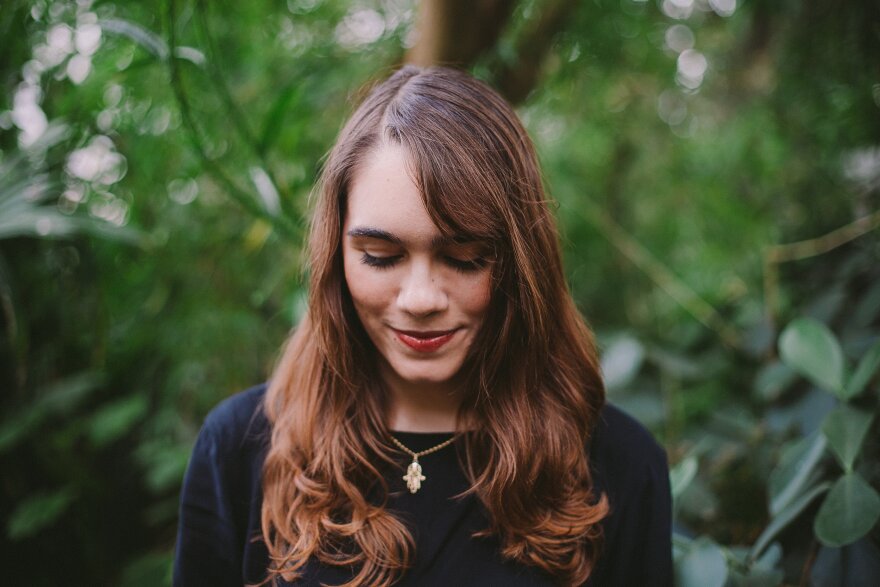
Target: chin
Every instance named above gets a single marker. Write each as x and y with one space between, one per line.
424 374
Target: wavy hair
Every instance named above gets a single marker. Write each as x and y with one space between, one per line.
532 382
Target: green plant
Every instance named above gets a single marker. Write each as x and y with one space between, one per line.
849 507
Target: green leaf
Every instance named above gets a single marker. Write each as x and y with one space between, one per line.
845 429
28 203
772 381
59 398
676 364
164 464
808 347
143 37
703 565
37 512
864 372
682 474
785 517
274 120
850 510
681 545
14 429
770 559
791 475
117 418
148 570
190 54
621 361
698 500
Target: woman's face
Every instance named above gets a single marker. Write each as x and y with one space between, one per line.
421 298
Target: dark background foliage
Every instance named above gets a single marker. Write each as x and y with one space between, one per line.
716 166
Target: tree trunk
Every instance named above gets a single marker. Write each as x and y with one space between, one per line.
457 32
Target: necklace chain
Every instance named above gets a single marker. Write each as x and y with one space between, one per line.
422 453
414 475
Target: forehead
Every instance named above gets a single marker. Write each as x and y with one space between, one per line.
382 195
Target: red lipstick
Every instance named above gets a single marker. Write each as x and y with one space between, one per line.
425 341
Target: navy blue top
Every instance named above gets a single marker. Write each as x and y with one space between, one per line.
222 495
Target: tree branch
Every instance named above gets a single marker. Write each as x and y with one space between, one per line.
236 116
661 275
778 254
288 228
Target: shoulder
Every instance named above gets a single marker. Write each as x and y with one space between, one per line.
240 414
228 456
623 453
238 424
617 434
220 498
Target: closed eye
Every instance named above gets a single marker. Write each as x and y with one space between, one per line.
462 265
466 265
380 262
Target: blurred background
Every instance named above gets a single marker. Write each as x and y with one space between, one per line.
716 165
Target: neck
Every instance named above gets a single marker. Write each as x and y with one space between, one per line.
421 407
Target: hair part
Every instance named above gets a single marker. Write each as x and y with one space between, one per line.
532 382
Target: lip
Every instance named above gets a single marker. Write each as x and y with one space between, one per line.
425 341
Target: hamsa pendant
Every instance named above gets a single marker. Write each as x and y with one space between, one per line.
414 476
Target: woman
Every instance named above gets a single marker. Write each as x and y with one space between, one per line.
438 417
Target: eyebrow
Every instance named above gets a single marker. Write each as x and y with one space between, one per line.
377 233
367 232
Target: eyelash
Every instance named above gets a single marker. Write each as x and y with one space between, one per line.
463 266
379 262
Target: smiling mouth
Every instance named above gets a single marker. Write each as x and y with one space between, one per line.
425 341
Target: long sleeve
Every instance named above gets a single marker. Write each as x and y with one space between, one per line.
632 470
207 550
219 527
640 551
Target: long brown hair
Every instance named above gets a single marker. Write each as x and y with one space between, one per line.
532 383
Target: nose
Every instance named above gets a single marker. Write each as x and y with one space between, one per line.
421 293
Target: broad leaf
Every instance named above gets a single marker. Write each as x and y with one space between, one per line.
703 565
772 381
164 464
765 571
148 570
771 558
789 478
845 429
59 398
37 512
808 347
115 419
621 361
682 474
785 517
863 373
850 510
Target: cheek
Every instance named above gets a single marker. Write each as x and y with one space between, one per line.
476 299
368 293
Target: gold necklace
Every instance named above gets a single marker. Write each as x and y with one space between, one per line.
414 475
